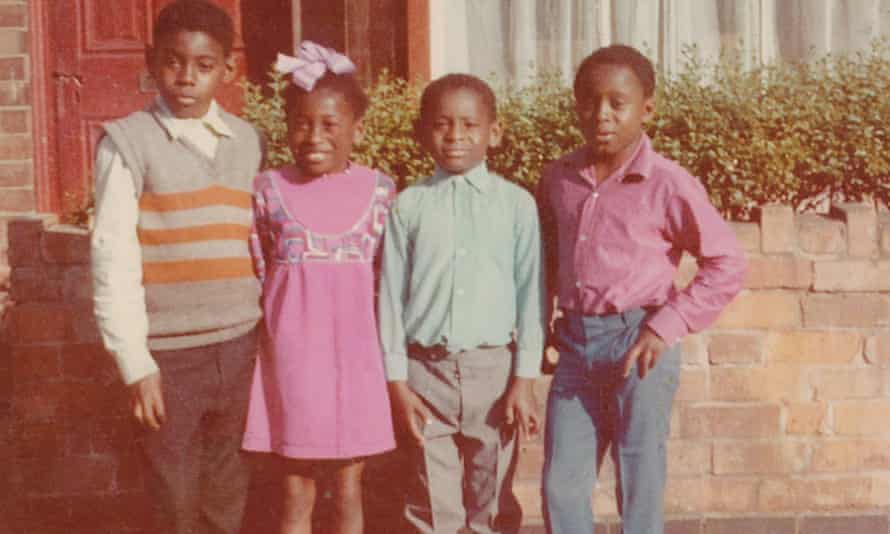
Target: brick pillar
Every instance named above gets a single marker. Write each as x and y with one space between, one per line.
74 465
16 159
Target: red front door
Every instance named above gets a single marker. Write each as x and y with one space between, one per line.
96 58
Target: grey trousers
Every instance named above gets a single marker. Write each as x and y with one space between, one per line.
462 476
195 474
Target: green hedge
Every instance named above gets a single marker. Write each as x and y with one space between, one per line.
790 133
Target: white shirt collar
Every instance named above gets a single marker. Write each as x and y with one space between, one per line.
177 127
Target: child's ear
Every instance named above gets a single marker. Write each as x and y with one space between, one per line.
231 65
358 133
648 108
419 135
496 133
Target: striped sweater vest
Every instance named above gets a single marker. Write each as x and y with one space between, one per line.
194 223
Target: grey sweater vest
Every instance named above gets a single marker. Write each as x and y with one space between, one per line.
194 223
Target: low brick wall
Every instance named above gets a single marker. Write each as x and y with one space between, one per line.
780 423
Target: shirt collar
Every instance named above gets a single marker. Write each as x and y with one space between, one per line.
637 168
478 177
176 127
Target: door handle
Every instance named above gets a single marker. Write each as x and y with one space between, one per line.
65 80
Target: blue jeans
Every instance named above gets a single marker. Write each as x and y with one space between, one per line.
590 407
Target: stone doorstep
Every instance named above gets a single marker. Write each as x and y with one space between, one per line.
804 524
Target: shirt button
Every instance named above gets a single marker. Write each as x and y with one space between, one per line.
578 284
582 237
595 194
459 292
461 252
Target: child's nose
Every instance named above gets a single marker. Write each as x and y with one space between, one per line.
456 131
187 74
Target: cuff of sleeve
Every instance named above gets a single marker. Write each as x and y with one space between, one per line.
668 324
396 366
527 364
135 365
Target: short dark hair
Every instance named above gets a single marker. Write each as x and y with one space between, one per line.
195 16
452 82
620 55
347 85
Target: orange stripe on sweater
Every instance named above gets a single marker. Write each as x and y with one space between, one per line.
172 272
211 196
192 234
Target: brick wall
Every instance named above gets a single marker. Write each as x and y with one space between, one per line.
780 423
16 171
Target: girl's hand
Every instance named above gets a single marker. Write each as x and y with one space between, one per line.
520 407
409 410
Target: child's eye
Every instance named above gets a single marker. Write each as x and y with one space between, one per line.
206 66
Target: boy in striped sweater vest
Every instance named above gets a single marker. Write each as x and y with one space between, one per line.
175 295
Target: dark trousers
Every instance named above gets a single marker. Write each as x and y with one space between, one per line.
196 476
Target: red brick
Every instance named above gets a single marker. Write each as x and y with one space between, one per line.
39 439
735 348
777 230
693 350
759 457
49 514
814 346
852 275
850 310
761 309
83 323
17 199
24 235
76 475
13 15
862 228
861 524
13 67
729 421
824 494
748 235
15 146
732 494
806 418
130 476
37 283
14 93
77 284
14 121
35 363
39 401
750 525
818 234
66 244
846 455
38 323
780 271
680 526
877 349
776 382
861 417
693 385
112 435
685 495
688 458
845 383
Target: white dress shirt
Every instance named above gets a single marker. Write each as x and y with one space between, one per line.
118 293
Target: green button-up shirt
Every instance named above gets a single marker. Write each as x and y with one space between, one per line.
462 267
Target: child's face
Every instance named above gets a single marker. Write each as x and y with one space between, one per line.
322 128
612 109
459 130
189 67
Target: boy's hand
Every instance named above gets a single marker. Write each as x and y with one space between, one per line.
409 409
520 406
147 401
644 352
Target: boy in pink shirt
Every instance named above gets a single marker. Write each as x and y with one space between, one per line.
616 218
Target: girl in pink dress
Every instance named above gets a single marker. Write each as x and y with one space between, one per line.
319 398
